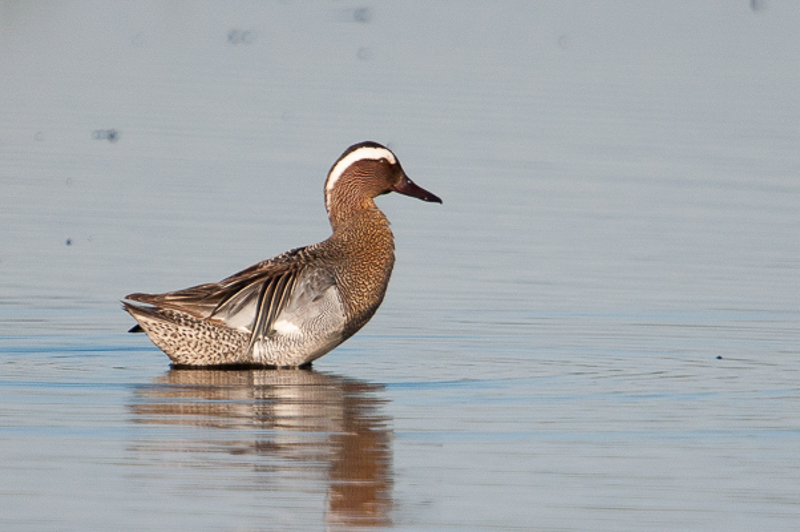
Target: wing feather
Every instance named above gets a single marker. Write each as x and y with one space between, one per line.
272 300
251 299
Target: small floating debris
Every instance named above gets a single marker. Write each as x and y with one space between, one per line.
362 15
719 357
69 241
111 135
364 53
241 36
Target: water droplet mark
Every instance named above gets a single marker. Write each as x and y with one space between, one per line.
364 53
111 135
236 36
362 15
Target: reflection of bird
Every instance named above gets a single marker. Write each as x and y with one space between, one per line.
279 424
292 309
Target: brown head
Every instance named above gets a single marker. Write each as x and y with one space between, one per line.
363 171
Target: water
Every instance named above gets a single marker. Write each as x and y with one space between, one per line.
597 330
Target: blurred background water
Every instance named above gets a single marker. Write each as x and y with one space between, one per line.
598 330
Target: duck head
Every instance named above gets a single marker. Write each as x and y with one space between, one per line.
364 171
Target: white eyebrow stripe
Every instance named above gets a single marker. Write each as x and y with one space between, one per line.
357 155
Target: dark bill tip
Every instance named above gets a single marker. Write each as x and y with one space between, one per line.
409 188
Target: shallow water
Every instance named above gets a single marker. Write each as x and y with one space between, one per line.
597 330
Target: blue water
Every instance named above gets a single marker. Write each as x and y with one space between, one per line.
597 330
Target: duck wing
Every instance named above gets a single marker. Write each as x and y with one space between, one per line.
250 300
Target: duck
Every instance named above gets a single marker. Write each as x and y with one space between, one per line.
287 311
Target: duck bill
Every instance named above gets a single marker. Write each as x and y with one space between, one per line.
409 188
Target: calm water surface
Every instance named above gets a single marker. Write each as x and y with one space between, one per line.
599 329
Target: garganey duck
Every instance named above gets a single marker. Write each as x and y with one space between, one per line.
291 309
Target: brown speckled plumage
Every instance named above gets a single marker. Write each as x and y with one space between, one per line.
291 309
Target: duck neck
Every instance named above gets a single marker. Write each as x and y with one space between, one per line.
364 225
367 248
343 206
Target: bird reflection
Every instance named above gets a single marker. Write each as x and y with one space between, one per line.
296 420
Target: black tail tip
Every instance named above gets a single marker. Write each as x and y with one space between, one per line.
135 329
